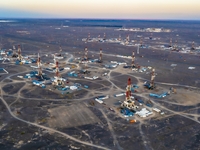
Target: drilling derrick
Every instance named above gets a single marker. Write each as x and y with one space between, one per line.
175 45
128 90
152 78
138 49
151 36
58 81
119 38
104 36
127 39
128 102
14 52
99 37
141 42
60 49
39 66
57 69
19 53
14 47
86 54
170 45
193 48
133 60
86 57
88 37
100 56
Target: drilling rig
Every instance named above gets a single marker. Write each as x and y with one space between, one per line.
88 38
86 54
39 67
151 85
100 56
128 102
193 47
104 36
58 81
133 60
19 54
14 52
170 44
127 40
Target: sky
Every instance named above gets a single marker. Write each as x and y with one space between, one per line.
104 9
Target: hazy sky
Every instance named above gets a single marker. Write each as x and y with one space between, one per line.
122 9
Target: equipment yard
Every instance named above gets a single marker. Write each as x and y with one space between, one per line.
98 93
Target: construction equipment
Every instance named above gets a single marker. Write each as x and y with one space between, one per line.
132 121
172 90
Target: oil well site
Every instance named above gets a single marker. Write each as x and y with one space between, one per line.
82 84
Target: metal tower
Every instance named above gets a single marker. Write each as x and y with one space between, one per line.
128 90
133 60
138 49
99 37
39 66
127 39
152 78
19 53
170 45
100 55
86 54
141 42
88 37
175 45
104 36
193 48
151 36
57 69
60 49
119 39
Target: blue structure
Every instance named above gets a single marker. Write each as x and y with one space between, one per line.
33 61
9 53
127 112
72 74
140 101
135 86
17 62
63 89
38 83
77 84
85 86
148 85
158 96
149 105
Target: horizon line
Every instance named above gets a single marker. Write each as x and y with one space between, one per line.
130 19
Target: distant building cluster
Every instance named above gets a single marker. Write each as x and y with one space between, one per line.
144 29
23 32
